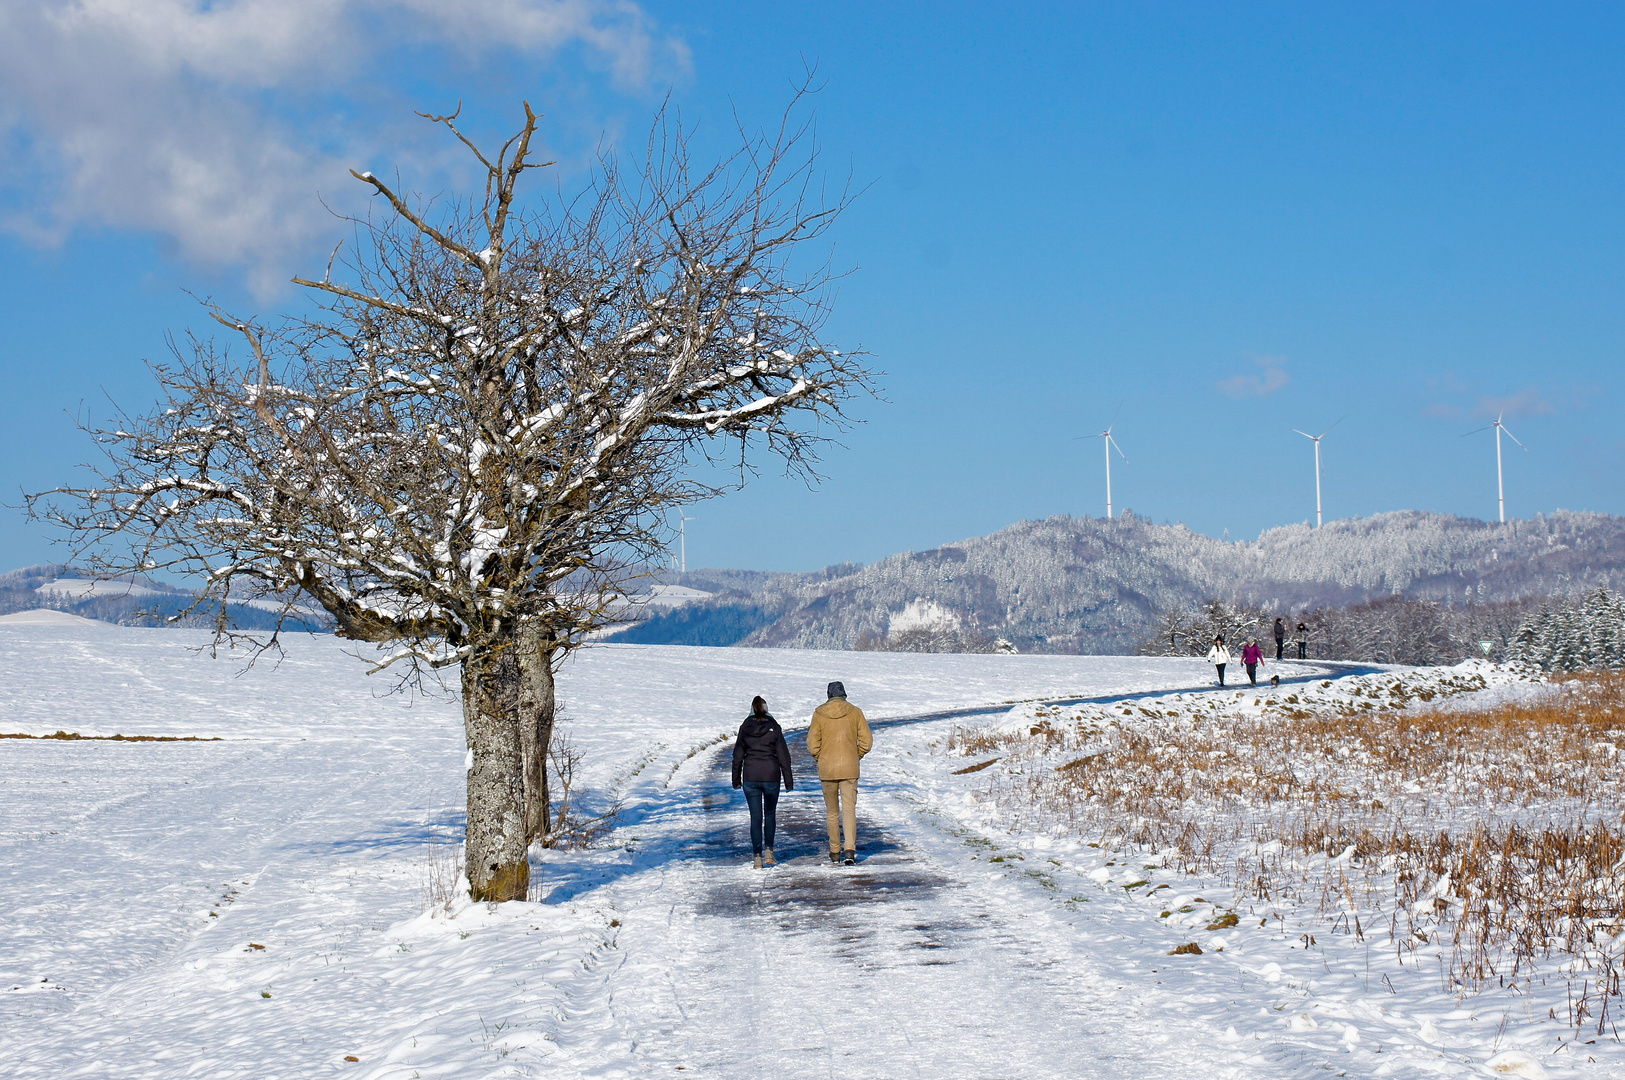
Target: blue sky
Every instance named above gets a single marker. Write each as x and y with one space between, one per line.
1216 224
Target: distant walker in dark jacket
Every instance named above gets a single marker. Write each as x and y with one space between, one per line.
761 760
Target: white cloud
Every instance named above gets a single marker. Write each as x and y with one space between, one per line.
1528 402
211 124
1271 376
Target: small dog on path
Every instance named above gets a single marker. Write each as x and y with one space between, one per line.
1275 681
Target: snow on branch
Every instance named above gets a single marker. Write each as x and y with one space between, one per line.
486 423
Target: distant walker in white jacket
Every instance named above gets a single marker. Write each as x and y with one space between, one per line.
1219 656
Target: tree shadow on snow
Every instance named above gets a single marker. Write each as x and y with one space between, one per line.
390 836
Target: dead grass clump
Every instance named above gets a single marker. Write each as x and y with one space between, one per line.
441 876
569 826
976 768
1048 730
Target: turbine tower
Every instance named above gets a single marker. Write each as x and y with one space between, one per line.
1108 443
1500 487
1316 440
682 537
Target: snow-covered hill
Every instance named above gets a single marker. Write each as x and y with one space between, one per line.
1090 585
132 601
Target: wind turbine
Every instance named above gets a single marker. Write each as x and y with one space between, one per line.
1500 488
1316 440
682 537
1108 444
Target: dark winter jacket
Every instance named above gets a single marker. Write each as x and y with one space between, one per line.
760 753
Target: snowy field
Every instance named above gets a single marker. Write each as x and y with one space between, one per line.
258 906
1426 864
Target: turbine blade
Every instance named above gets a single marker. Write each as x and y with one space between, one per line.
1305 434
1514 438
1339 420
1119 449
1476 430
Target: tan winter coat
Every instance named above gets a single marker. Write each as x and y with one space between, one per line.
838 737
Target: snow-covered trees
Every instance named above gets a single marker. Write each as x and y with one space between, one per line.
1185 632
1575 636
1091 585
924 626
468 451
1393 630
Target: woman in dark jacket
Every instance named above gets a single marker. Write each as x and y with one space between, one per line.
761 759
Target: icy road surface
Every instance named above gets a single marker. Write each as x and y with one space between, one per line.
254 906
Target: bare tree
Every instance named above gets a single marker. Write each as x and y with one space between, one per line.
1173 623
470 450
1181 632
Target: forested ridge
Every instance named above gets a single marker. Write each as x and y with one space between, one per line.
1091 585
1404 587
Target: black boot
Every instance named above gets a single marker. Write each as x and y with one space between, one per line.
851 858
835 857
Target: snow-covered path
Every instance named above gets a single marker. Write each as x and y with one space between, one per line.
904 966
919 962
253 907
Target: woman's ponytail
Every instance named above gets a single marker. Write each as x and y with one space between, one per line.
758 706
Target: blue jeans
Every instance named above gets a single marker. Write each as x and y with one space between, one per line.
763 798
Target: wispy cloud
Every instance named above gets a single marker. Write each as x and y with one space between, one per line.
1270 377
215 125
1527 402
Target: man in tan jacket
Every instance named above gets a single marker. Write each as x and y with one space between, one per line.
837 738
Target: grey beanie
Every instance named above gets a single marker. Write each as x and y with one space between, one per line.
837 690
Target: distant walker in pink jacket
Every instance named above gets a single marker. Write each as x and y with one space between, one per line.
1251 657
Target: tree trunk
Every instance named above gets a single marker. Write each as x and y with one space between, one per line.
535 711
508 707
497 852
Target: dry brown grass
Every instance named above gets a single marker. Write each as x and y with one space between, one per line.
1497 834
440 875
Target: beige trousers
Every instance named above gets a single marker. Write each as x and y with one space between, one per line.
841 808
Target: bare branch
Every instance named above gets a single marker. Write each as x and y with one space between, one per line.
484 429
